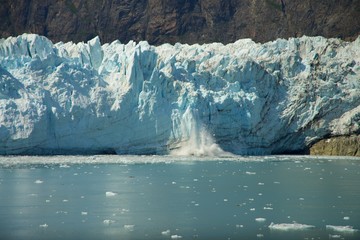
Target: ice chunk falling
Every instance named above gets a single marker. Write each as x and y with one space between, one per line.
135 98
195 138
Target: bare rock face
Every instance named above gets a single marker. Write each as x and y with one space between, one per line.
186 21
337 146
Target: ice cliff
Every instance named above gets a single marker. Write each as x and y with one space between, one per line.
249 98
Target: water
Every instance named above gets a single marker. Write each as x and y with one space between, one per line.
138 197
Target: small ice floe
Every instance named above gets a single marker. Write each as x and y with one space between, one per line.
334 236
65 200
108 222
290 226
129 227
239 226
124 210
252 209
261 184
166 232
38 181
43 225
346 218
343 229
84 213
64 166
110 194
176 236
61 212
250 173
268 208
260 219
259 235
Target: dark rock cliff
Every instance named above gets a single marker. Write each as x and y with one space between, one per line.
337 146
186 21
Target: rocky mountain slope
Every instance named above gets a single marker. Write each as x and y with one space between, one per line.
249 98
185 21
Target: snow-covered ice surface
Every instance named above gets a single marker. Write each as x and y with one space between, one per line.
242 98
167 197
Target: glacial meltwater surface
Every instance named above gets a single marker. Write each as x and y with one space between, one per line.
165 197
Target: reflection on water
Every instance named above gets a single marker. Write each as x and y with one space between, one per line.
270 198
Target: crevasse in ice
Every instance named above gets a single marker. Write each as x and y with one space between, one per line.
134 98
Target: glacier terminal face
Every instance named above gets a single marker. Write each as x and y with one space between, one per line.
135 98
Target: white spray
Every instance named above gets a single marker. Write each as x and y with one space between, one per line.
196 140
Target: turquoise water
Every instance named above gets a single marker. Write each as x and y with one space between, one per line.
130 197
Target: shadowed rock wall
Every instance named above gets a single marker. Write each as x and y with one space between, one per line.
186 21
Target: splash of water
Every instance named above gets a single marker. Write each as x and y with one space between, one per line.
196 140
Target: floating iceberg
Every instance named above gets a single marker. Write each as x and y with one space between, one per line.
290 226
343 229
134 98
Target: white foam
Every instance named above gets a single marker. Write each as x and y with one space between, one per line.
344 229
290 226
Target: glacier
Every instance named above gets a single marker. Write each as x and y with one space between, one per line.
134 98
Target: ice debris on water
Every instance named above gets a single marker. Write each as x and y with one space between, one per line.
108 222
38 181
290 226
344 229
43 225
129 227
166 232
260 219
176 236
110 194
